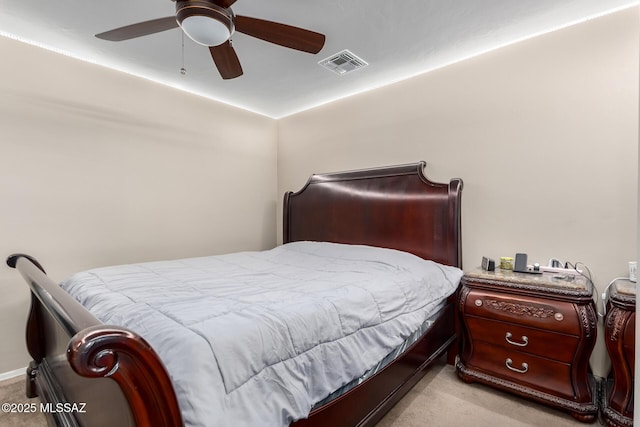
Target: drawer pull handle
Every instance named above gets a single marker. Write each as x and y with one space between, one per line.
524 342
525 367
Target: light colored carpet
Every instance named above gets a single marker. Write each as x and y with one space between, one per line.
440 399
13 391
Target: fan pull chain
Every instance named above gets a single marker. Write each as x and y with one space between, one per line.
183 70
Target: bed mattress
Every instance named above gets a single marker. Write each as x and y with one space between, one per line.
258 338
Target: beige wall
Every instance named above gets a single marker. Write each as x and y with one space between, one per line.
102 168
544 134
98 167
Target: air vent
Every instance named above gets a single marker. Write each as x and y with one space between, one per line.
343 62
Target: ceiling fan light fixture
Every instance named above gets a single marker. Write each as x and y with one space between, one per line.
205 31
204 22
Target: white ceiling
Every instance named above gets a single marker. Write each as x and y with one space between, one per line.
398 39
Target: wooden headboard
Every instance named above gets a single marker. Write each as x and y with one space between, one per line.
393 207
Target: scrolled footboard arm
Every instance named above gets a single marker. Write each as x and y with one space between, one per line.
125 357
13 259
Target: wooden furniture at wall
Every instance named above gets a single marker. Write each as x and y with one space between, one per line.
619 336
124 383
531 335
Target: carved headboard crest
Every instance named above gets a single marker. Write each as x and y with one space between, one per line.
395 207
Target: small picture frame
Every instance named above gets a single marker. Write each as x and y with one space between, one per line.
488 264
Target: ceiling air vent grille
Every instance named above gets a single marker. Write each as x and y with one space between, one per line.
343 62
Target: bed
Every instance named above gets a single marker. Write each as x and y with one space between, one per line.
100 374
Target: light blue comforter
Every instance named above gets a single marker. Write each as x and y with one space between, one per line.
257 338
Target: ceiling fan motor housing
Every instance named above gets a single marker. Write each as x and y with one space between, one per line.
205 22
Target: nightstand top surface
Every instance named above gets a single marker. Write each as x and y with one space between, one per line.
545 280
623 293
625 287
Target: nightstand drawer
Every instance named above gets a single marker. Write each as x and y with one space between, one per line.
558 316
542 374
510 336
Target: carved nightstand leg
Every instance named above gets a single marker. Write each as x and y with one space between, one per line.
469 379
584 418
466 379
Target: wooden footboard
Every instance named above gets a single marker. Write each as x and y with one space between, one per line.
87 373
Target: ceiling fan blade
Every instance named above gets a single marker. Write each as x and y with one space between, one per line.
226 60
284 35
140 29
224 3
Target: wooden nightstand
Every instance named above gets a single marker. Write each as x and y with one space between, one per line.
531 335
619 336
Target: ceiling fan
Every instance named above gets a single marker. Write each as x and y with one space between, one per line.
211 23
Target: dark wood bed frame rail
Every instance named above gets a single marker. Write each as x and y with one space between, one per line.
121 379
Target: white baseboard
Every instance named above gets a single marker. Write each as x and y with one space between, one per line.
12 374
